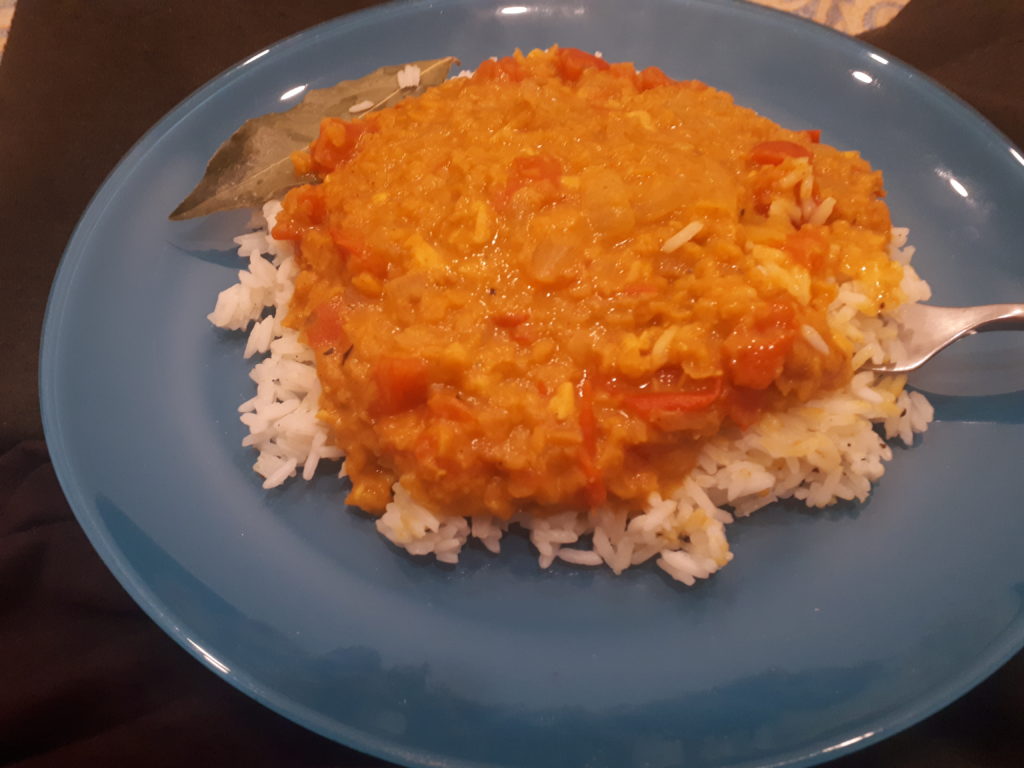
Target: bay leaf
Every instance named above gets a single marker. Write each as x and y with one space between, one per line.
254 165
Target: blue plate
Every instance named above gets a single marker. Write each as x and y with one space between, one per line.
829 631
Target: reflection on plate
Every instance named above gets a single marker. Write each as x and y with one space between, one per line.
829 630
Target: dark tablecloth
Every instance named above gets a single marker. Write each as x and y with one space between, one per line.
85 677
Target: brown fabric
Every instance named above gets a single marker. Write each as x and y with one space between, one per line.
973 47
85 677
65 121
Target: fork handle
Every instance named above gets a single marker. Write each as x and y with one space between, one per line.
997 317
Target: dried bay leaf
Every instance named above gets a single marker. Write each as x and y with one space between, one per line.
254 165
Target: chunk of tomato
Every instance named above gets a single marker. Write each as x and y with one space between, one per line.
808 248
402 383
572 63
756 350
531 169
304 208
325 327
652 77
505 69
543 171
336 143
649 404
745 406
774 152
358 255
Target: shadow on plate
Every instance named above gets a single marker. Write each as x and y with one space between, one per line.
1006 408
211 238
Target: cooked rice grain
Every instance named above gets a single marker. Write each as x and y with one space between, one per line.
819 452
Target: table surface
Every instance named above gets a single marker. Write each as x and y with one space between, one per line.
850 16
87 676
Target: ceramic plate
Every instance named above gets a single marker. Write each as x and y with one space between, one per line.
827 632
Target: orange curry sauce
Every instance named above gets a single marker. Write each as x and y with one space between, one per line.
496 322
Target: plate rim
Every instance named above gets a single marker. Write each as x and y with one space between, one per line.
1011 640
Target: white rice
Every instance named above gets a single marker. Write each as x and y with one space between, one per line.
820 452
361 106
682 237
408 76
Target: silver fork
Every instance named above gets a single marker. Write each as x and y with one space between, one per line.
926 330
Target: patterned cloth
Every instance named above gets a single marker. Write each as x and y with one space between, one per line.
850 16
6 15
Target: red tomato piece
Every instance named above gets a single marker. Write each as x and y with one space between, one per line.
505 69
649 404
774 152
325 327
303 209
624 69
572 63
524 333
756 351
402 383
808 248
531 169
745 406
347 240
652 77
336 143
542 169
358 255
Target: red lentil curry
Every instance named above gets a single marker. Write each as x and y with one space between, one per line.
503 315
